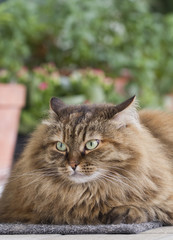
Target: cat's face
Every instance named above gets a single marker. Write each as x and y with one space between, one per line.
85 143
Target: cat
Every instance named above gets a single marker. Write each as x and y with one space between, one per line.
94 164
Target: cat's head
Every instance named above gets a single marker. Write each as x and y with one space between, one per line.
84 143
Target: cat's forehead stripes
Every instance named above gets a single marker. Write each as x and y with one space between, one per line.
74 132
79 116
75 122
77 128
78 124
56 138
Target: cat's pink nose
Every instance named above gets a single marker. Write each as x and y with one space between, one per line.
73 165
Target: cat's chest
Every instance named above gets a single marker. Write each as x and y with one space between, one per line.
75 204
83 206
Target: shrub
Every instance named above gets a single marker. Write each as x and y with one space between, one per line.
110 35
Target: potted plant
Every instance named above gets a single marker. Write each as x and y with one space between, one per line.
12 99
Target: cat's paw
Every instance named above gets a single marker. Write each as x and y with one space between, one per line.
126 214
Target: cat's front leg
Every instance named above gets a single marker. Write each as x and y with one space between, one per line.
126 214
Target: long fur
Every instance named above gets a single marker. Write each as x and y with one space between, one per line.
128 178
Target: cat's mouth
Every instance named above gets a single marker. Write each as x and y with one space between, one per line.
78 177
76 174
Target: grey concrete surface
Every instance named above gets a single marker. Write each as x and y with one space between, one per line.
90 237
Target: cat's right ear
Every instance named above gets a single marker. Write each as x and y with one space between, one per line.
126 113
56 104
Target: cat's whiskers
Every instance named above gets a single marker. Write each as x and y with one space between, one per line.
124 170
17 176
130 174
120 168
121 176
135 178
34 173
112 177
32 182
127 183
106 179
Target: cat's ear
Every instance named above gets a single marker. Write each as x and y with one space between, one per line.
56 104
126 113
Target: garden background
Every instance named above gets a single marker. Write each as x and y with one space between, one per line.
87 51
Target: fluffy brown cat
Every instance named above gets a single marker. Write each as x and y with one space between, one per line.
94 164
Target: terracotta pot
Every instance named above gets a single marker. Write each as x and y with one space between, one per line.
12 99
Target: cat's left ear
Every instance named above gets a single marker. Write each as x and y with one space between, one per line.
126 113
56 104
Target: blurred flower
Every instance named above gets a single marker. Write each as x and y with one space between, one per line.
87 101
49 67
98 72
3 73
108 80
40 71
122 81
5 76
76 76
43 86
120 85
55 76
126 73
23 72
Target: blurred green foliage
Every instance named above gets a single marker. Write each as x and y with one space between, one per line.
73 33
162 6
111 35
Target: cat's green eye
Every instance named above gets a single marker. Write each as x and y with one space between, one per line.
61 146
92 144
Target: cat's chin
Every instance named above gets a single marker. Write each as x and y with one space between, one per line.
80 178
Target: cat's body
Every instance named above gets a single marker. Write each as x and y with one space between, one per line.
126 177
